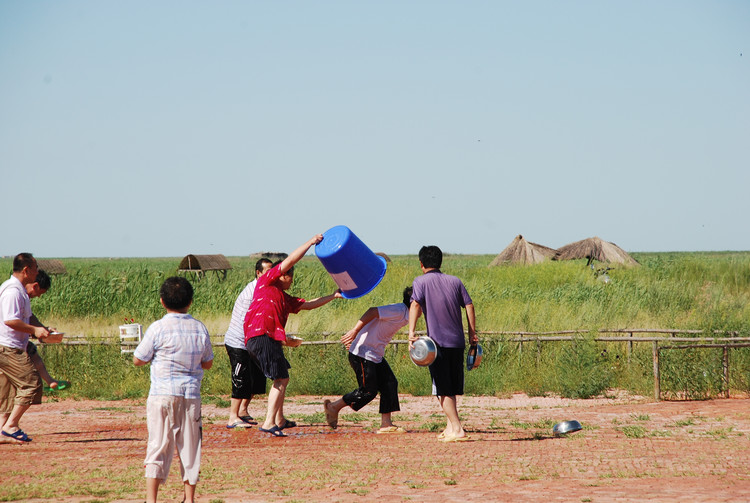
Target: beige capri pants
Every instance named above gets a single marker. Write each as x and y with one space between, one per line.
20 383
173 422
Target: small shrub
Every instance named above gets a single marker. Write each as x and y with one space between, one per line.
634 431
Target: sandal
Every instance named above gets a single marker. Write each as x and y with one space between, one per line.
248 419
61 385
391 429
275 431
17 435
288 424
465 438
332 418
239 424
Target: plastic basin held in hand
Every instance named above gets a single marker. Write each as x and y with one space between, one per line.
355 269
423 351
474 357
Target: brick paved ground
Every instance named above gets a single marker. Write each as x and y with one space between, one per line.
631 449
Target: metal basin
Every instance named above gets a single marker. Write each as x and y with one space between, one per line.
473 357
566 427
292 341
423 351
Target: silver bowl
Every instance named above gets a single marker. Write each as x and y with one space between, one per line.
566 427
423 351
473 357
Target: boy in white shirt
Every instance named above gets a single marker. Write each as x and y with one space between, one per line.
179 349
366 343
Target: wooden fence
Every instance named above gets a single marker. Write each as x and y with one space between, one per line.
687 339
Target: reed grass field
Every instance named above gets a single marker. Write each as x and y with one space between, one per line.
708 291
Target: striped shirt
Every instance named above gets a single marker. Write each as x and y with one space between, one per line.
235 336
176 345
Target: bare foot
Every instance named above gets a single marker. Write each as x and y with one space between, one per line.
332 416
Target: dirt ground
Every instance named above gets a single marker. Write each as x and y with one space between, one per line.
631 449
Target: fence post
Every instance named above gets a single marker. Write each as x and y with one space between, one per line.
725 365
657 384
538 351
630 346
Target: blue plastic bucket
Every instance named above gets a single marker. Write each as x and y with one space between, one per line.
352 265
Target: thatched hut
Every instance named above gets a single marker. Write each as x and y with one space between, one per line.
200 264
520 251
595 249
272 256
51 266
386 257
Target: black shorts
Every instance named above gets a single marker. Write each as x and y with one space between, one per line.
247 378
373 378
447 372
269 355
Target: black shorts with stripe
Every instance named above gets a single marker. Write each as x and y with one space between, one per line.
247 378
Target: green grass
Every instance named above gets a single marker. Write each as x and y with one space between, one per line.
708 291
634 431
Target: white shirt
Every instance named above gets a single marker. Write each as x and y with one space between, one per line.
176 345
14 305
371 341
235 336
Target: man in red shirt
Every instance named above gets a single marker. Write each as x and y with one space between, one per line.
264 330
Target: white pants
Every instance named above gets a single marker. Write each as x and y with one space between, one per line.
173 421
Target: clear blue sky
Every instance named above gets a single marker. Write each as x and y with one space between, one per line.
174 127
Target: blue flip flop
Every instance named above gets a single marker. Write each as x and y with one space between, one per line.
248 419
275 431
17 435
239 424
288 424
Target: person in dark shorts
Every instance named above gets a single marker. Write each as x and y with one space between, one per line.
366 343
247 377
440 298
264 330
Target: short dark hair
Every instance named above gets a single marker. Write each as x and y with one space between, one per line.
407 295
177 293
23 260
290 272
431 257
260 263
43 280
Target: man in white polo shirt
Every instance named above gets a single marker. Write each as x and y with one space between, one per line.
20 385
247 378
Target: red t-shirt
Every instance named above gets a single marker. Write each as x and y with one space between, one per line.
270 308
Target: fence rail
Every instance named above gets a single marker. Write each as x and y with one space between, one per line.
720 339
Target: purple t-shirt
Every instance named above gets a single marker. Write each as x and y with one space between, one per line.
441 297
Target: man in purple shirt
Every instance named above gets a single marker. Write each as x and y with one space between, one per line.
440 298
